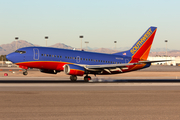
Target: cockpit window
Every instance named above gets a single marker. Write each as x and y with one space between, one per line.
20 51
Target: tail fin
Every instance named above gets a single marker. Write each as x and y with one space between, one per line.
142 47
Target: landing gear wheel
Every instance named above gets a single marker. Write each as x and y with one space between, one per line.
87 78
25 73
73 78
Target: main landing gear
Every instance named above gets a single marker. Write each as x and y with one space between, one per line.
73 78
87 78
25 72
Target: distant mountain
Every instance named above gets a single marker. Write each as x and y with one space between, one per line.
104 50
8 48
171 53
61 45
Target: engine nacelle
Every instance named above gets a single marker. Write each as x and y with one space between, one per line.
49 71
71 69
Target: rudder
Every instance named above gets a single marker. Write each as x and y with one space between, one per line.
142 47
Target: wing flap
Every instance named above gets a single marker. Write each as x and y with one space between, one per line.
109 66
121 66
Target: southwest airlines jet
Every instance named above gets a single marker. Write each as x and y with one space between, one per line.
79 63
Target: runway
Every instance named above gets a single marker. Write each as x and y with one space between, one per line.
136 95
79 101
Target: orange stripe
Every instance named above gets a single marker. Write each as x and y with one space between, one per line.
145 42
145 55
137 67
142 45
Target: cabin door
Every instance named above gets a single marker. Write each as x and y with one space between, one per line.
126 60
36 54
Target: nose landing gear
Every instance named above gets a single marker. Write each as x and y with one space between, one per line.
25 72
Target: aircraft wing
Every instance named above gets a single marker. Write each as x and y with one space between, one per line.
107 66
113 66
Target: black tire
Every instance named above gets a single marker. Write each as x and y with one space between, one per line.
87 78
73 78
25 73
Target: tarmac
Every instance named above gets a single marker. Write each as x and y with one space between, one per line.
147 94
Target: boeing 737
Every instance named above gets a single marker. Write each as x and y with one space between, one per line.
80 63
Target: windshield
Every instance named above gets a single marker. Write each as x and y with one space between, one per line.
20 51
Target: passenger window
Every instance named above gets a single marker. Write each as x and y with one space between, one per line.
41 54
49 55
52 55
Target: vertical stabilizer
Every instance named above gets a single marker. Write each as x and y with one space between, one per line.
142 47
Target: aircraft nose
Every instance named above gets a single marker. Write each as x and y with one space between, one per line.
9 57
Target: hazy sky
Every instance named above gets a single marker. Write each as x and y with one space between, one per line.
100 21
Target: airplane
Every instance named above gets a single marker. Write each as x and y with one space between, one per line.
79 63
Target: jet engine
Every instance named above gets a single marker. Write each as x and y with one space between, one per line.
71 69
49 71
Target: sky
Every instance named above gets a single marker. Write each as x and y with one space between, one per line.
101 22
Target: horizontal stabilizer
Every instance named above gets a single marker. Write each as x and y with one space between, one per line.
154 61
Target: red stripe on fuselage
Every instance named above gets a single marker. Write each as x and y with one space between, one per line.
53 65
